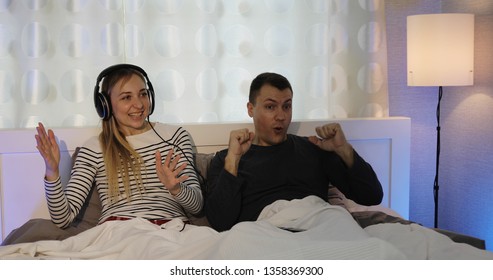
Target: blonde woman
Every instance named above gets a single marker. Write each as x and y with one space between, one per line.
140 169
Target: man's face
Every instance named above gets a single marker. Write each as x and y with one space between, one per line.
271 115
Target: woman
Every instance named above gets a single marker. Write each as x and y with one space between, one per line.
140 169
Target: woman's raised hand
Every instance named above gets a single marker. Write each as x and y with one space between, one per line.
48 148
169 172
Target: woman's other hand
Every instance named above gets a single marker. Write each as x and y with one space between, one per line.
169 172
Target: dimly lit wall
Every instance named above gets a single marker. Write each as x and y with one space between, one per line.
466 120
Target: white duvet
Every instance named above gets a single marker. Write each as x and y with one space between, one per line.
300 229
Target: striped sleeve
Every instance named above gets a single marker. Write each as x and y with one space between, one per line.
64 204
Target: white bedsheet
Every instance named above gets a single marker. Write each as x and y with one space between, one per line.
318 230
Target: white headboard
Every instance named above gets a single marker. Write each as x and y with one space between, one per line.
383 142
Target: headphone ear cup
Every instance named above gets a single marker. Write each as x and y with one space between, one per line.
151 101
102 106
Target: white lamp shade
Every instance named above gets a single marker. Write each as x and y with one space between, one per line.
440 50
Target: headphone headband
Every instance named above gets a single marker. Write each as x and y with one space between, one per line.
102 99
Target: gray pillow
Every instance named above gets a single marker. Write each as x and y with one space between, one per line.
202 163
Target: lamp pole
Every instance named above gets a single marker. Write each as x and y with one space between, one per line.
435 184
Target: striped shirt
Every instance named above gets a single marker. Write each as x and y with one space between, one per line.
155 202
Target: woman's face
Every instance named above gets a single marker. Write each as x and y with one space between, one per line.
130 105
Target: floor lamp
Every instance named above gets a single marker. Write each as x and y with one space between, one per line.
440 52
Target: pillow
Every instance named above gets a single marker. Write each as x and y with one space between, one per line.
90 212
35 230
202 163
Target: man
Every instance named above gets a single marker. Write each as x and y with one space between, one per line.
269 164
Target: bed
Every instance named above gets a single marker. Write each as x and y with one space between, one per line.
299 229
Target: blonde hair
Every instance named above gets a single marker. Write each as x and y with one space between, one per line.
120 158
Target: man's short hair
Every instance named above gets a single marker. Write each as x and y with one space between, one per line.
276 80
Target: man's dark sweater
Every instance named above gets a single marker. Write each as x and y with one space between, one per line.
293 169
